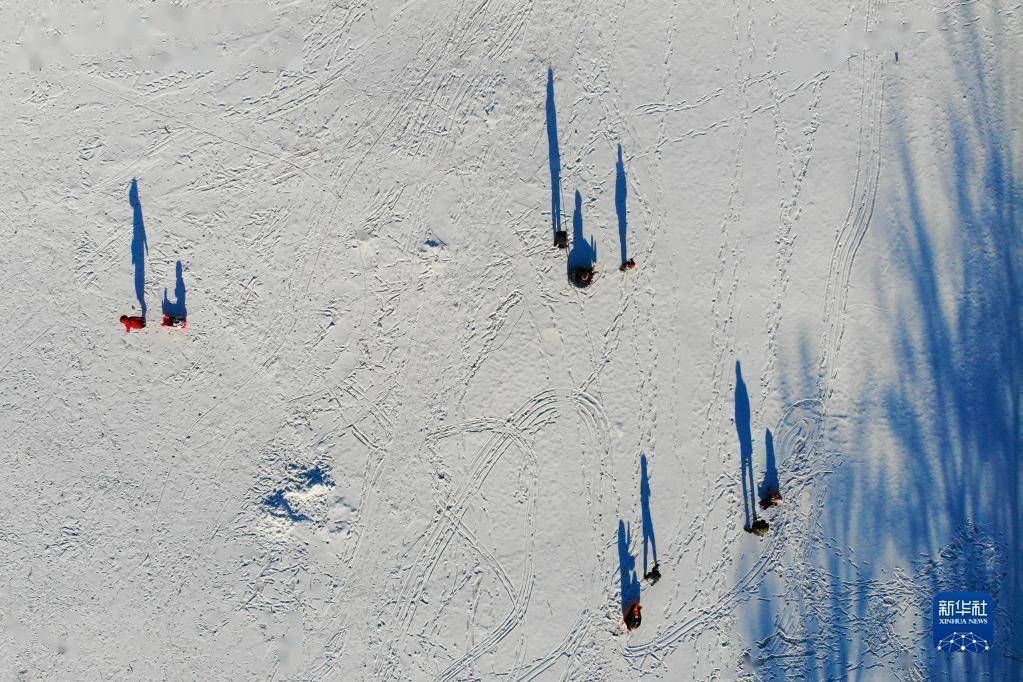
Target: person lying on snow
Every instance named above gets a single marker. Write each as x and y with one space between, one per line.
133 322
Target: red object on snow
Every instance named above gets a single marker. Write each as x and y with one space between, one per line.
172 321
133 322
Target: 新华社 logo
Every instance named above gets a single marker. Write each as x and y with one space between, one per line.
963 622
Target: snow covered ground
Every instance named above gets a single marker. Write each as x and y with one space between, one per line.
395 443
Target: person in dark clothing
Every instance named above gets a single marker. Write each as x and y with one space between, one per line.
653 575
132 322
582 277
174 321
771 499
633 617
628 265
561 239
758 528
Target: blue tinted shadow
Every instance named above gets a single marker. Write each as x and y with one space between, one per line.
621 192
583 254
742 427
139 246
770 484
178 307
648 522
280 507
554 153
627 568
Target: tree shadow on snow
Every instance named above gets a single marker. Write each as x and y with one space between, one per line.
935 491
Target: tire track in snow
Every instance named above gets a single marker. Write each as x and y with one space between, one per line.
521 600
590 617
567 647
441 529
852 231
534 415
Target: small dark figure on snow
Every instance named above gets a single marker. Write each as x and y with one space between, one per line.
633 617
561 239
132 322
653 575
582 277
759 528
627 265
173 321
771 499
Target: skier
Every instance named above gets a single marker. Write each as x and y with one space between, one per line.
627 265
173 321
759 528
771 499
133 322
633 617
561 239
653 575
582 276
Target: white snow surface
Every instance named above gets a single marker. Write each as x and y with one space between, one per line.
394 442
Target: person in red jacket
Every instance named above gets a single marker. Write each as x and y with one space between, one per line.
133 322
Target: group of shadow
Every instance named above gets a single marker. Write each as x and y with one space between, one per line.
632 610
583 254
175 314
769 491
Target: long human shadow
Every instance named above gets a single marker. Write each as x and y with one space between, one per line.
742 426
648 521
621 193
178 307
139 245
583 254
554 152
627 568
770 483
